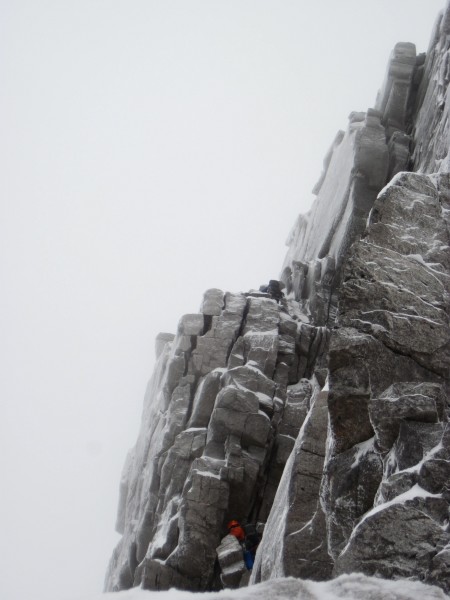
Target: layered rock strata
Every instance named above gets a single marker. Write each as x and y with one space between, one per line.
323 417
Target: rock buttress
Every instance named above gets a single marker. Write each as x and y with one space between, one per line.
386 482
241 391
221 416
386 463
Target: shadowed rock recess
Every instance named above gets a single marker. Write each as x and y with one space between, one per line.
322 418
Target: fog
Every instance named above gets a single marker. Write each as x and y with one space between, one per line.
149 150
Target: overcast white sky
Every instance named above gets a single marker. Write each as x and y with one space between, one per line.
149 150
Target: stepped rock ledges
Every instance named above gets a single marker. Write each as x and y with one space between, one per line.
323 417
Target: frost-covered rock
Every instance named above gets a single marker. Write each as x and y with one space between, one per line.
214 440
422 402
431 122
395 94
231 561
294 541
388 379
399 540
323 415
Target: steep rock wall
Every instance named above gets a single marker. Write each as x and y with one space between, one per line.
221 416
384 490
323 417
388 365
355 170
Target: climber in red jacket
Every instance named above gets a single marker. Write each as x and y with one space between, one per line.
235 529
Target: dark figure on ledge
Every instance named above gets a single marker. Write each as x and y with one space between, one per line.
273 289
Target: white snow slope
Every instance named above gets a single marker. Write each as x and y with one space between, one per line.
345 587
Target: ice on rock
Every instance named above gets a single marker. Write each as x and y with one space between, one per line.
323 417
207 438
231 562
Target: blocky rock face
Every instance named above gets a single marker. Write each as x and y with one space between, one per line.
355 170
231 562
295 539
388 363
324 418
220 420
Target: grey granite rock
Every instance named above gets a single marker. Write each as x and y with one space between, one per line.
394 485
394 331
350 485
213 302
422 402
161 340
209 448
399 541
232 566
202 508
323 416
431 131
399 147
434 475
356 170
213 348
191 324
439 573
204 399
251 378
295 544
297 405
393 98
414 443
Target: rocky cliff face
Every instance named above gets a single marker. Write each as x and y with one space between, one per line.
323 417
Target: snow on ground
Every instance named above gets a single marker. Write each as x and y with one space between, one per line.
345 587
